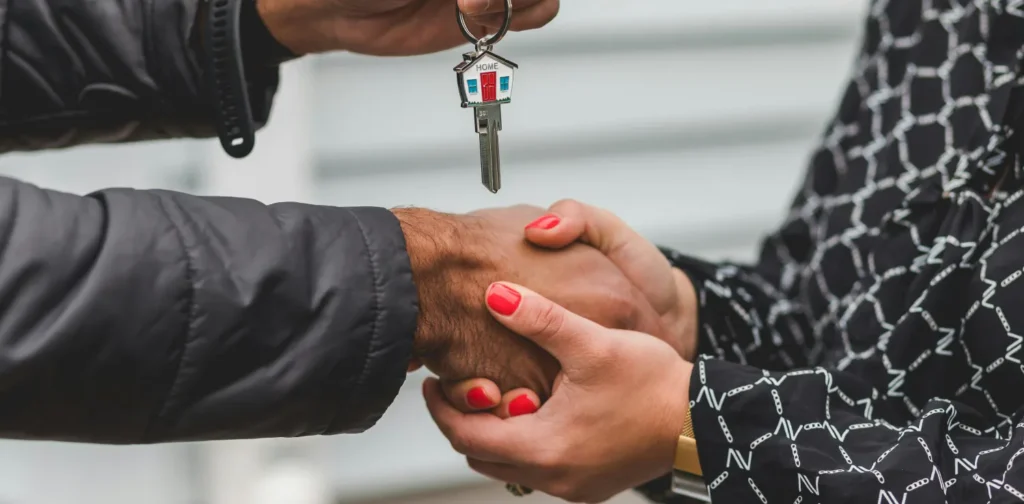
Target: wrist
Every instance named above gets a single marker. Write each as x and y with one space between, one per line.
438 246
685 442
688 311
260 47
300 27
674 394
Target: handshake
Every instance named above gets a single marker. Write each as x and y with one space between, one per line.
569 311
580 257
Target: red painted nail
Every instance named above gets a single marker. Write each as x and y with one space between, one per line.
503 299
521 405
546 222
477 398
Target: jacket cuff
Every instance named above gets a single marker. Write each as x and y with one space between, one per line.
394 323
259 47
262 56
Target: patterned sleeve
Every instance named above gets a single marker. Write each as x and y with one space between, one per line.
764 314
758 315
775 423
752 315
813 434
805 436
869 354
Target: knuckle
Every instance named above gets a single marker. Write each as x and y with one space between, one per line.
578 497
601 354
549 319
473 463
550 12
460 443
615 308
623 310
567 490
546 461
456 446
525 208
567 206
552 459
631 316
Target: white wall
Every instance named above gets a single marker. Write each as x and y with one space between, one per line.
694 125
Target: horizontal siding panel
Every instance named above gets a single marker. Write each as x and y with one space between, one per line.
158 164
588 15
57 473
665 195
412 106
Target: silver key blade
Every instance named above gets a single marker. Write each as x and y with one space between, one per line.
490 162
488 126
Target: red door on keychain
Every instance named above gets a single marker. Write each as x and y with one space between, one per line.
489 86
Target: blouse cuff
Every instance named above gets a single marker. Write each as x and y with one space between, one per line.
702 274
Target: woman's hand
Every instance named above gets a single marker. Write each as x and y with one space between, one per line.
391 27
612 423
668 289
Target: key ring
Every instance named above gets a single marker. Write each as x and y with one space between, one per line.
485 42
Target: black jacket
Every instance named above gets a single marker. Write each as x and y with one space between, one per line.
144 316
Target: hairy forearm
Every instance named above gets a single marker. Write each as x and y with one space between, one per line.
440 248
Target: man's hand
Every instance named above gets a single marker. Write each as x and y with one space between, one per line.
391 27
455 257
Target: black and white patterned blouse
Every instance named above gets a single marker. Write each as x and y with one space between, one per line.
873 354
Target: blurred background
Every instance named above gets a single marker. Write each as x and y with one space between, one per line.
692 120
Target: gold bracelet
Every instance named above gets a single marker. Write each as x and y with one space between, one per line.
687 459
688 426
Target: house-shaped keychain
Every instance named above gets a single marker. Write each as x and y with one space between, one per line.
485 79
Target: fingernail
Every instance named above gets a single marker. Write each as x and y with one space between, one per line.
521 405
503 299
477 398
546 222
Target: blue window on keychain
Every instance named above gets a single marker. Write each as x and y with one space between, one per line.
472 86
504 84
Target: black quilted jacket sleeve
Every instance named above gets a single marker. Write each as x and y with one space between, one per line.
89 71
148 316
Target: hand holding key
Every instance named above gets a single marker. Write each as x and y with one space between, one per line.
391 27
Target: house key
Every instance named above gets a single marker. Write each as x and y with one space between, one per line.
485 84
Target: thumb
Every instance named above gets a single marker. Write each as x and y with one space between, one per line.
570 220
639 259
474 7
562 333
594 226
